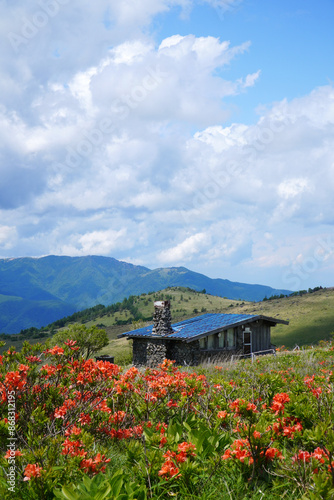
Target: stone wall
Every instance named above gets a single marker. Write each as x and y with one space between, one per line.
183 353
149 352
139 349
162 319
156 352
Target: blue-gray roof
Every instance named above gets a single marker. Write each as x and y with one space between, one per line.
200 326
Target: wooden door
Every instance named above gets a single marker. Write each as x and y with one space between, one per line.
247 342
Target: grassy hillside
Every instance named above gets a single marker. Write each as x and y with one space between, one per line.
310 316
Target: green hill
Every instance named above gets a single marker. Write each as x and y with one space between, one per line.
310 316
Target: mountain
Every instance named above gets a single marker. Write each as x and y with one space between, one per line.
37 291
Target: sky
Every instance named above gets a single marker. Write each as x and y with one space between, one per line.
196 133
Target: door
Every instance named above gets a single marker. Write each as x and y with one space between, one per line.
247 341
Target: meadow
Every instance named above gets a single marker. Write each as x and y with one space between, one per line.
81 429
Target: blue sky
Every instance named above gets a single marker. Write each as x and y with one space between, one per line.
169 133
291 42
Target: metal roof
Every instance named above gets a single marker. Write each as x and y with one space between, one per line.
201 326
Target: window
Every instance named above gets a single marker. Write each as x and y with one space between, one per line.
202 343
221 340
230 337
211 341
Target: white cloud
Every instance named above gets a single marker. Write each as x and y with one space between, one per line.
185 250
130 52
120 147
171 41
250 80
293 187
209 195
96 242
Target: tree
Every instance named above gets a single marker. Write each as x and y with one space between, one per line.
89 340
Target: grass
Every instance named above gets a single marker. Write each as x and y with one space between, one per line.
310 316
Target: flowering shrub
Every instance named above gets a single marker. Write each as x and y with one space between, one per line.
77 423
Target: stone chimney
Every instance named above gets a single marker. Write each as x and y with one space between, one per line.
162 319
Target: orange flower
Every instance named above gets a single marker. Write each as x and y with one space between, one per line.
239 450
32 470
240 405
15 380
24 368
172 403
161 427
318 454
73 430
70 342
303 456
94 465
222 414
33 359
227 454
84 419
11 454
181 457
251 407
242 455
317 392
72 448
50 369
272 453
279 401
163 441
62 410
168 470
187 448
54 350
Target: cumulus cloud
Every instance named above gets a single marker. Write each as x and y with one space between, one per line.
95 243
120 147
185 250
292 187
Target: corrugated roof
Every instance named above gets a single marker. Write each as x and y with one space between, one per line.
200 326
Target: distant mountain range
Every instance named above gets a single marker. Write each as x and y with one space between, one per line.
38 291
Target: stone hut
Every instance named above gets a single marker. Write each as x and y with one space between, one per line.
209 337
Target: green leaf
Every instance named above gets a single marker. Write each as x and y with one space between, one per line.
68 493
116 483
101 495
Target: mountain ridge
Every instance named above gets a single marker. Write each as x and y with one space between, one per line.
35 291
